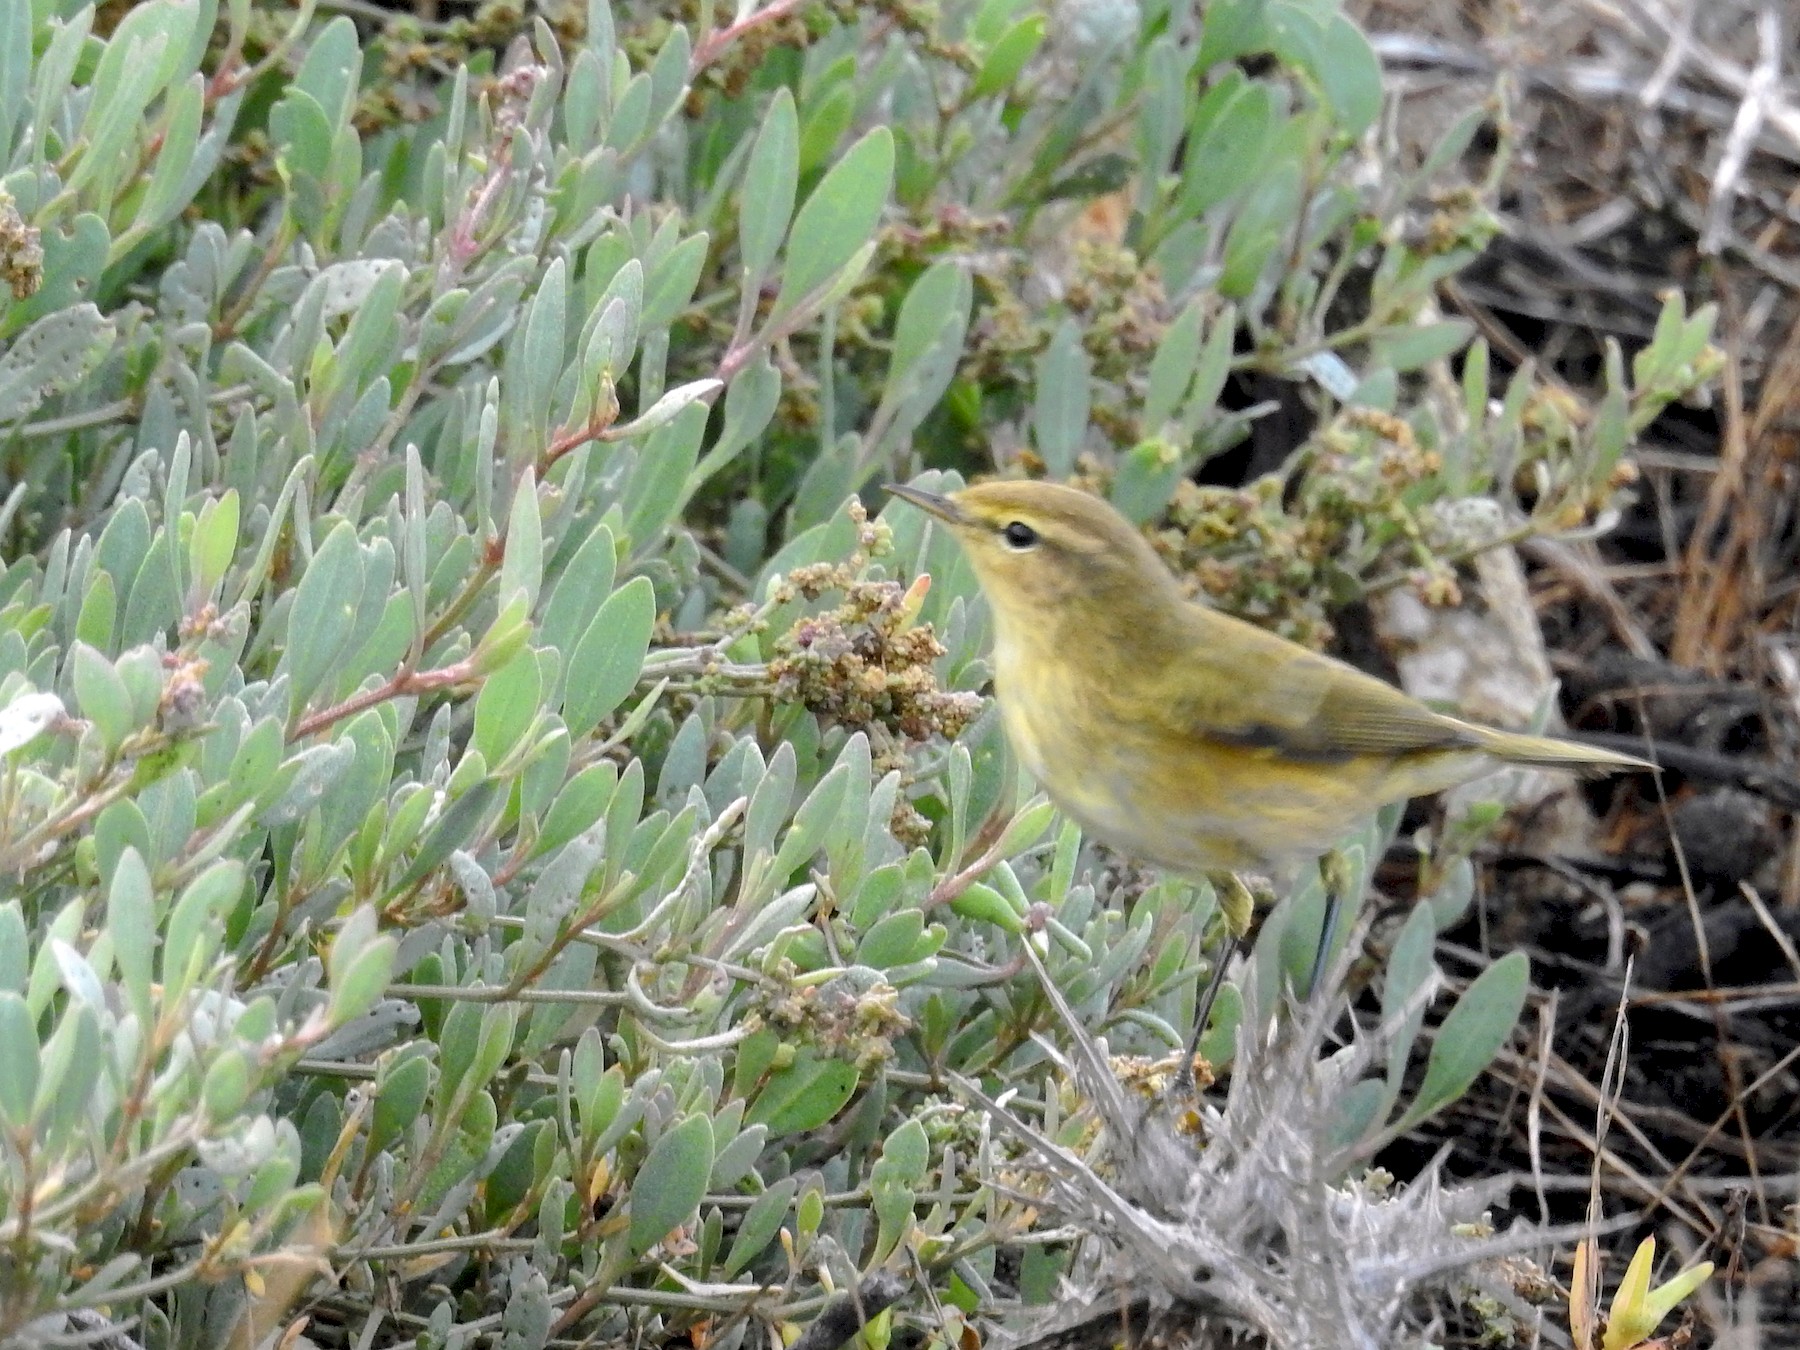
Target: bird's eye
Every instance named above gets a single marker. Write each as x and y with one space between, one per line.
1019 535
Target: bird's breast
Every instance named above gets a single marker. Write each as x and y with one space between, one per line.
1076 737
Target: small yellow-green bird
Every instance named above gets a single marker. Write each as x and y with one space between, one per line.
1181 736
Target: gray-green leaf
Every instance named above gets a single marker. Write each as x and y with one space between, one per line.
671 1182
839 218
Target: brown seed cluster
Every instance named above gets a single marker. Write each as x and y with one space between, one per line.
1119 302
21 251
1284 555
908 824
861 665
838 1019
184 705
1241 550
866 663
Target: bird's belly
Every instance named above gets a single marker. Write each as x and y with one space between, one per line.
1120 794
1193 807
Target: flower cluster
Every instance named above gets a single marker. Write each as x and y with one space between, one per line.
1119 302
838 1018
1285 557
21 251
866 663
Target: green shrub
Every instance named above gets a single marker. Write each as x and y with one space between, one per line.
516 827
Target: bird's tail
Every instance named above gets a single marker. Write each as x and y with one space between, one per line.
1551 752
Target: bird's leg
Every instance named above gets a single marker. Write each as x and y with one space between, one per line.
1334 872
1237 904
1184 1075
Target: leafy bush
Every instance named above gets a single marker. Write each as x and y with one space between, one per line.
488 817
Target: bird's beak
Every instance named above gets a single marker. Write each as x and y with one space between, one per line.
931 503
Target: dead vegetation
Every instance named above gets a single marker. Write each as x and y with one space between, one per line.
1658 146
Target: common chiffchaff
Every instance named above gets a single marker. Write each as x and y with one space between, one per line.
1179 735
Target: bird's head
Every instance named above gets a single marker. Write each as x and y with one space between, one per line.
1049 555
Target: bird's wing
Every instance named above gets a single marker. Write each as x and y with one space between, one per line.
1257 689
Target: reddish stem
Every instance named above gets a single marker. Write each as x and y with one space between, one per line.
404 683
713 45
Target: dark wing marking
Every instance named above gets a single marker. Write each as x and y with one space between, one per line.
1244 686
